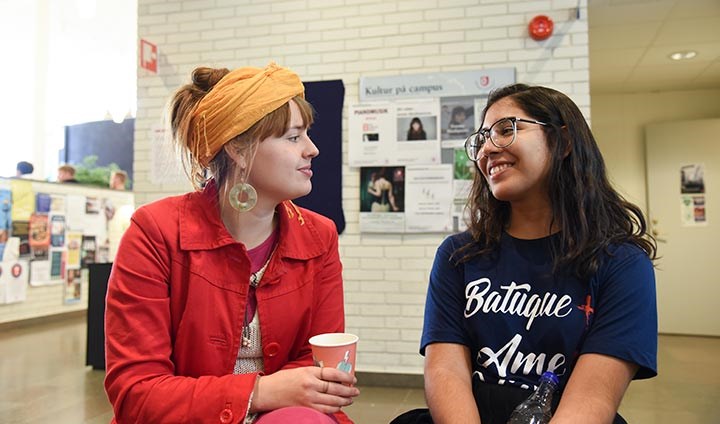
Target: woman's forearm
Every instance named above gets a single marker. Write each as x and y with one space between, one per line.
595 389
451 401
448 384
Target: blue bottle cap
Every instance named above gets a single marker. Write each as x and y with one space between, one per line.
550 376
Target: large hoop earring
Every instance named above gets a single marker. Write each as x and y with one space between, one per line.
243 197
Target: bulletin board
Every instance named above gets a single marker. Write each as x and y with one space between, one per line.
407 134
49 234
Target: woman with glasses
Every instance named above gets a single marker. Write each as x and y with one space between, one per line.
554 274
214 294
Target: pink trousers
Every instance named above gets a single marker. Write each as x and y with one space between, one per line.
296 415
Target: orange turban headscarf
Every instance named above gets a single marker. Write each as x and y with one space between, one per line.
237 102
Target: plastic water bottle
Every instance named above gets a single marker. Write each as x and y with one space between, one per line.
536 408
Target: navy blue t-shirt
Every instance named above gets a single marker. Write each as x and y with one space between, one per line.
519 319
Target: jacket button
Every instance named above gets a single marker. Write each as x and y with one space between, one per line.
226 416
271 349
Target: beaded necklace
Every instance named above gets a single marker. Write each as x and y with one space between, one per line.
255 278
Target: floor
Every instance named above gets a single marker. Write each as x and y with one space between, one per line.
43 379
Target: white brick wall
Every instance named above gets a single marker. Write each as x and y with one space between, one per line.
385 275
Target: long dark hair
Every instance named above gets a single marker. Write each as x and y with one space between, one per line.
420 134
591 215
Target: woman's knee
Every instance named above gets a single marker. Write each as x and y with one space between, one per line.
296 415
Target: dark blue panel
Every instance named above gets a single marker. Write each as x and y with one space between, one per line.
110 142
326 196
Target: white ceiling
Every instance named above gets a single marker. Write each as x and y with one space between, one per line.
630 41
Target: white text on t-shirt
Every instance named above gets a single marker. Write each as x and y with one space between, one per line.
514 300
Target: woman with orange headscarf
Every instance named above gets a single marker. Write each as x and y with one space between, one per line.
214 294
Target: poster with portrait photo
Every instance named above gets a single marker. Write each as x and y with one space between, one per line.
418 133
382 189
417 120
457 119
382 199
419 201
13 281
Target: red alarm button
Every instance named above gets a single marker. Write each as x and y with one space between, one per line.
540 28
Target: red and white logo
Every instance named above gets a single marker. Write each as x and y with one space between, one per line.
148 56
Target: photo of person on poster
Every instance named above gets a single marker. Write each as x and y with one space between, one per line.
416 131
382 189
417 125
456 118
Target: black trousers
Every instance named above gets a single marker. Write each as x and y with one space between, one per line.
494 402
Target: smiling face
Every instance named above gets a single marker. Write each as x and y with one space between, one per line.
282 169
519 172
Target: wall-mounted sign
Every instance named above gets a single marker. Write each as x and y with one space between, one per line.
148 56
441 84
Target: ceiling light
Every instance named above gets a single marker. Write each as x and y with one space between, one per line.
683 55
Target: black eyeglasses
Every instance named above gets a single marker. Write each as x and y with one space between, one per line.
501 134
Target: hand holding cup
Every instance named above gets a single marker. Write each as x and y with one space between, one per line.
336 350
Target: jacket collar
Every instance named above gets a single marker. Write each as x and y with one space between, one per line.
202 229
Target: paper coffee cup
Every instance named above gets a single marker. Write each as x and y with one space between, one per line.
335 350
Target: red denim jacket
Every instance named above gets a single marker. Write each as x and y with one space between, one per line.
176 300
